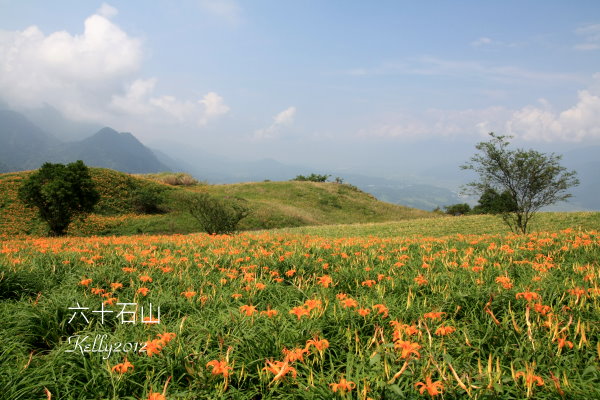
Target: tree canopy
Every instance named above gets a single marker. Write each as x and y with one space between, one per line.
530 179
60 193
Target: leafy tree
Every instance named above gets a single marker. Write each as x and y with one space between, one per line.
532 179
458 209
60 193
216 216
492 202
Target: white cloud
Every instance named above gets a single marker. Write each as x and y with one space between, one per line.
106 10
138 100
214 105
434 66
534 122
228 10
91 76
591 37
440 123
482 41
280 121
71 72
581 121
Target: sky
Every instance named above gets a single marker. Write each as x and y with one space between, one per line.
339 82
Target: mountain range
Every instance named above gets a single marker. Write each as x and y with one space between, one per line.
25 145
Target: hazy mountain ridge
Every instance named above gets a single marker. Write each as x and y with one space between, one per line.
24 146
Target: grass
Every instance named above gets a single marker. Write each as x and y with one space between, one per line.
447 307
447 225
278 315
271 204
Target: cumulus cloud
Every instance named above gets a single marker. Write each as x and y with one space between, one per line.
280 121
579 122
213 106
64 69
91 76
534 122
139 100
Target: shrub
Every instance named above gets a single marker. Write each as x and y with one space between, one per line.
215 215
312 178
458 209
148 200
60 193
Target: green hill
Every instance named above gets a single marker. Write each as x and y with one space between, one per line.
271 204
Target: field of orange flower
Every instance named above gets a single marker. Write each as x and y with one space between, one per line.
286 316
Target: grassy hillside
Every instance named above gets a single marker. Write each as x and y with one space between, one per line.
312 203
272 205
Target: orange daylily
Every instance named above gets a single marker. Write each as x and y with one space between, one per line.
110 301
433 388
530 378
562 342
444 330
166 337
294 354
504 281
219 367
248 310
280 369
343 386
143 291
381 309
319 344
349 302
324 281
434 315
122 367
300 311
269 312
154 347
312 304
529 296
363 312
407 348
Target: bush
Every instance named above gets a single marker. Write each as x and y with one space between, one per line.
458 209
60 193
149 200
215 215
312 178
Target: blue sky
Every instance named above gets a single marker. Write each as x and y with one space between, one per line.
293 79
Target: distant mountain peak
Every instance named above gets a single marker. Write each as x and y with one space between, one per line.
23 145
